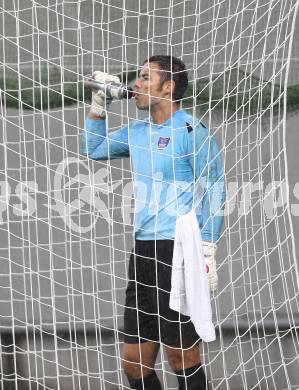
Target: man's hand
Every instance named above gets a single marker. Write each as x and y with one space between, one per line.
100 101
209 251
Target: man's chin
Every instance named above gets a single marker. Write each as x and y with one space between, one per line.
141 107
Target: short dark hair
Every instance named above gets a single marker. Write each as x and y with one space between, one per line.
174 69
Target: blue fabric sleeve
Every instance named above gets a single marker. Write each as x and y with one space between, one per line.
96 145
205 159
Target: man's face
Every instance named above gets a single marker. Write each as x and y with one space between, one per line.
148 88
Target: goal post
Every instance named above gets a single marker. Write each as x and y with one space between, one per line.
67 221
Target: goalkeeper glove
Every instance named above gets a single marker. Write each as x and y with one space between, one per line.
209 251
100 101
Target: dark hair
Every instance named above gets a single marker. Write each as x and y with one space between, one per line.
174 69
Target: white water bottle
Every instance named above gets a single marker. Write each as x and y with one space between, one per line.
112 90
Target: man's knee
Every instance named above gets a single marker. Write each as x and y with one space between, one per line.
182 358
135 369
138 364
139 360
175 360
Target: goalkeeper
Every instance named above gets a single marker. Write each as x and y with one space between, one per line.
176 167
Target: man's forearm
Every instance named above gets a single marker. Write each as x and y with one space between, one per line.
93 136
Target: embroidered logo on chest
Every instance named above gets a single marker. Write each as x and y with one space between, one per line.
163 142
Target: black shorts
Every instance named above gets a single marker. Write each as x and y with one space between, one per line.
147 314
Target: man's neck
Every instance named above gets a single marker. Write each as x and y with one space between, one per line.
161 113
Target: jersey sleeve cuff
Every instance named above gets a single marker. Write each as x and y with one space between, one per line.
208 237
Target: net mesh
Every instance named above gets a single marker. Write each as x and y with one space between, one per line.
67 221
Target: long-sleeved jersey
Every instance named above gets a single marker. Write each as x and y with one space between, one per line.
176 166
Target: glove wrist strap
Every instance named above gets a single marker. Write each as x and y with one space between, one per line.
99 111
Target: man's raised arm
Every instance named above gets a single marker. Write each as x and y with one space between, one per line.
95 143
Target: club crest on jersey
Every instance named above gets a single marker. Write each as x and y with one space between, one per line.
163 142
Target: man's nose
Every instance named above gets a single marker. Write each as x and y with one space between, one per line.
136 84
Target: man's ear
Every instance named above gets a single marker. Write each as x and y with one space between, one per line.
169 86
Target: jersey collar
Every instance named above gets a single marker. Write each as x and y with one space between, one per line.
177 114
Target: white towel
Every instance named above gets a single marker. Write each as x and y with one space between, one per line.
189 293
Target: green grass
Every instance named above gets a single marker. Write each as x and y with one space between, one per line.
40 95
232 91
236 90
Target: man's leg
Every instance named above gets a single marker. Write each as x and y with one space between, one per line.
138 364
177 330
140 323
187 366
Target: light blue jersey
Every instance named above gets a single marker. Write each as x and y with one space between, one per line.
176 166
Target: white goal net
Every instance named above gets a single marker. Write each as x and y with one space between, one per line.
67 221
